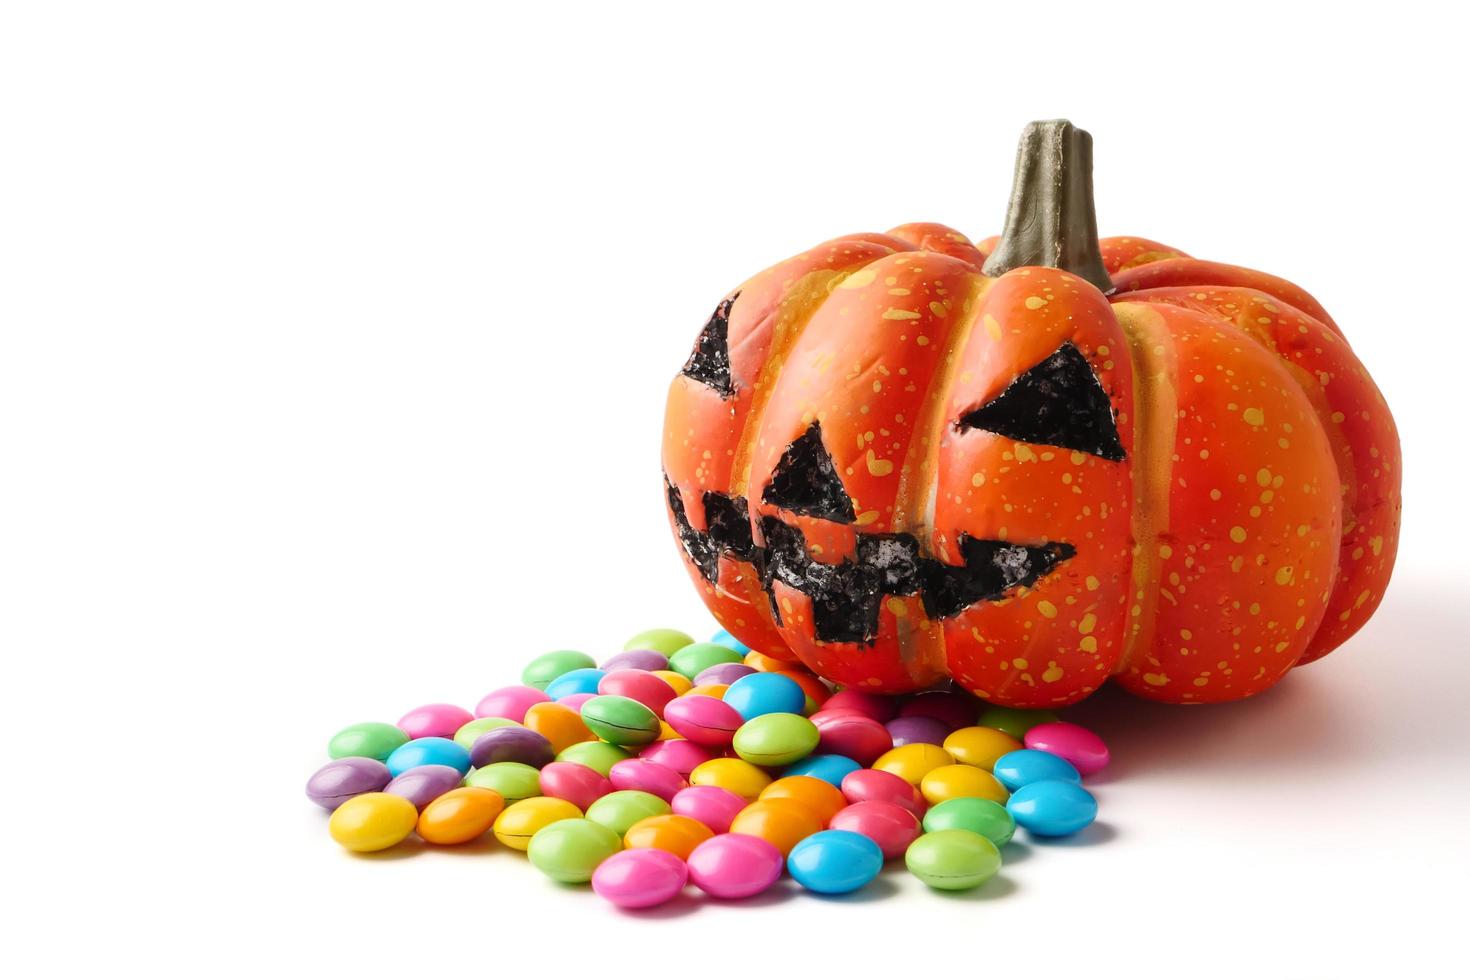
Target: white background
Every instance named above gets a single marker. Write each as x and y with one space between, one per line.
335 341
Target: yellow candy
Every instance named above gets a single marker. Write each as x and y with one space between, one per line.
372 821
676 680
912 762
665 733
979 746
711 690
954 782
736 775
460 815
518 823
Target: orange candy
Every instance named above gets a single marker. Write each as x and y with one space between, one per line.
560 725
460 815
782 821
817 795
670 832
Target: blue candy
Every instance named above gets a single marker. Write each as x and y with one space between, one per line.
431 751
1052 807
583 680
1024 766
724 639
835 862
765 694
829 768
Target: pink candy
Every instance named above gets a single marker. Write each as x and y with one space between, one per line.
679 754
640 878
875 706
1072 742
703 720
510 702
874 784
953 709
713 806
649 690
888 825
849 734
579 785
735 865
435 720
649 777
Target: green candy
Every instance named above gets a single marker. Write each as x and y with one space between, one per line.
952 860
514 781
1015 722
472 730
570 850
599 755
619 720
549 666
984 817
776 739
663 641
619 810
371 739
695 657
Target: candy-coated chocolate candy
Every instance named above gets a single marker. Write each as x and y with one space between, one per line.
342 779
369 739
511 743
640 879
764 661
579 785
620 720
520 821
832 768
648 689
913 761
854 735
460 815
421 785
1079 746
953 860
725 639
835 862
709 690
695 657
650 660
664 641
571 850
549 666
980 816
736 775
583 680
575 701
952 709
679 835
621 809
703 720
712 806
514 781
723 674
916 728
735 866
432 751
561 725
783 822
679 754
762 694
596 754
1016 769
878 707
372 821
510 702
1015 722
817 795
681 684
863 785
888 825
441 720
775 739
648 777
956 781
1052 807
979 746
468 734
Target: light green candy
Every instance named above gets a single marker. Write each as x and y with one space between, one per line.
371 739
952 860
570 850
1015 722
514 781
549 666
776 739
666 642
619 720
472 730
619 810
692 658
979 816
598 755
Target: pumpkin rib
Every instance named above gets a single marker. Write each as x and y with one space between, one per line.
1198 272
1130 251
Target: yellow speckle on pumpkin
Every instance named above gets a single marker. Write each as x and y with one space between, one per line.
1020 663
1237 534
1088 644
866 517
879 467
1034 302
1092 583
1088 623
937 308
1252 416
858 279
893 313
1376 543
1047 609
1283 575
1052 674
896 606
992 327
1156 680
977 480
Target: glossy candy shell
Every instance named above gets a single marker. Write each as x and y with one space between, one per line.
835 862
640 879
953 860
733 866
342 779
372 822
460 816
621 809
570 850
1052 807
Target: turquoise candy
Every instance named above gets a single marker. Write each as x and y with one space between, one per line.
1023 766
725 639
1052 807
834 862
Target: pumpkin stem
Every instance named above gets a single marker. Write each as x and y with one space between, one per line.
1050 219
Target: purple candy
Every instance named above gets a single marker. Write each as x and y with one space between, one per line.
422 785
511 743
723 674
341 779
637 660
917 728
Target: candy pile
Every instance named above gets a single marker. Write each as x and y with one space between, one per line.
678 761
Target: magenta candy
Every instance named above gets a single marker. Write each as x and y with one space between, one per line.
1079 746
679 754
952 709
510 702
511 743
341 779
875 784
637 660
856 736
422 785
575 701
640 878
579 785
713 806
650 777
722 674
735 865
703 720
917 728
876 706
888 825
435 720
649 690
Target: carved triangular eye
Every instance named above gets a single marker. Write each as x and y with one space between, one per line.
1059 402
991 569
709 364
805 481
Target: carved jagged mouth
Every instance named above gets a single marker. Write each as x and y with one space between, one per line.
846 597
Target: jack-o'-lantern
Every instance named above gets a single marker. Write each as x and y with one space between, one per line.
1031 464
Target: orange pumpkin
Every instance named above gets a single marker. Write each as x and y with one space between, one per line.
1034 463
